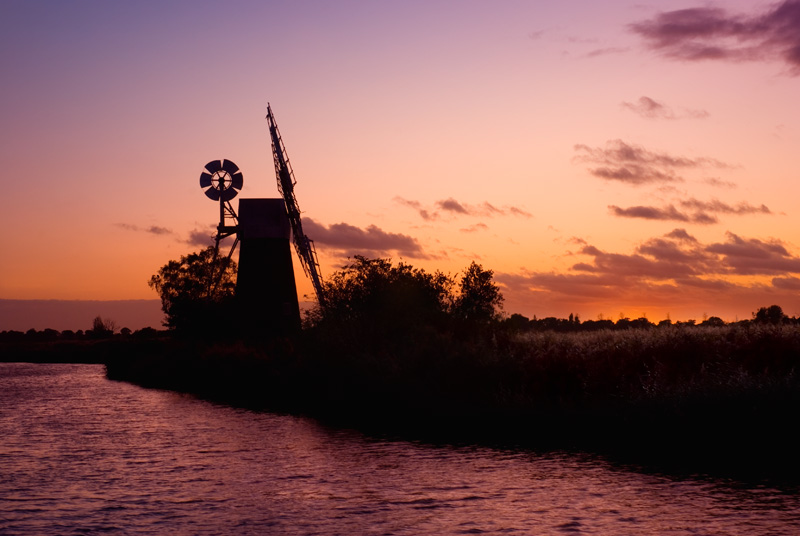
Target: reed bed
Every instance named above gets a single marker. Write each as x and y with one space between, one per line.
705 395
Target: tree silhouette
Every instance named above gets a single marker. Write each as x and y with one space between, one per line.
102 327
479 298
196 291
769 315
713 321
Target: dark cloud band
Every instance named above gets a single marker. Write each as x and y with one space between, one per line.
633 164
372 240
713 34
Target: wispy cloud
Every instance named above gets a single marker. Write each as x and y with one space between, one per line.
649 213
606 51
475 228
633 164
719 183
424 213
201 237
652 109
536 35
351 240
696 211
723 208
454 208
152 229
707 33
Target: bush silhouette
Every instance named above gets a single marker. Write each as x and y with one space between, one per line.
380 297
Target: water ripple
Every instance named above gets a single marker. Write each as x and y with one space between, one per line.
83 455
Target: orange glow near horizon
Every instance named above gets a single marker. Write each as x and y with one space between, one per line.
578 151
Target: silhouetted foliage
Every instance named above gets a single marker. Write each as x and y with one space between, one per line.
641 323
769 315
102 328
196 291
12 336
516 322
596 325
479 299
146 333
382 319
374 294
713 321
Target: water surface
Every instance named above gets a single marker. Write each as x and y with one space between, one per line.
80 454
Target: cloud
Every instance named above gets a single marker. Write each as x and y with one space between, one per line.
350 239
719 183
707 33
659 259
451 205
678 254
606 51
152 229
649 213
475 228
786 283
751 256
652 109
647 107
680 234
633 164
201 237
703 211
515 211
425 214
723 208
454 208
671 271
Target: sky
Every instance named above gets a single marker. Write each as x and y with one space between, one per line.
607 159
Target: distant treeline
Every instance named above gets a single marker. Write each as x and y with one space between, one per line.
765 315
102 328
52 335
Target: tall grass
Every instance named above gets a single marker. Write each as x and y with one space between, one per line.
569 371
666 365
728 394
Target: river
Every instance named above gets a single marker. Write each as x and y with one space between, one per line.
80 455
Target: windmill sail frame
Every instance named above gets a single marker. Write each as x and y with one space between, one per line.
286 182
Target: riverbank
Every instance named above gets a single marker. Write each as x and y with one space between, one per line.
694 398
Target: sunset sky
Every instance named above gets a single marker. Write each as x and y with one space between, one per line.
603 158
